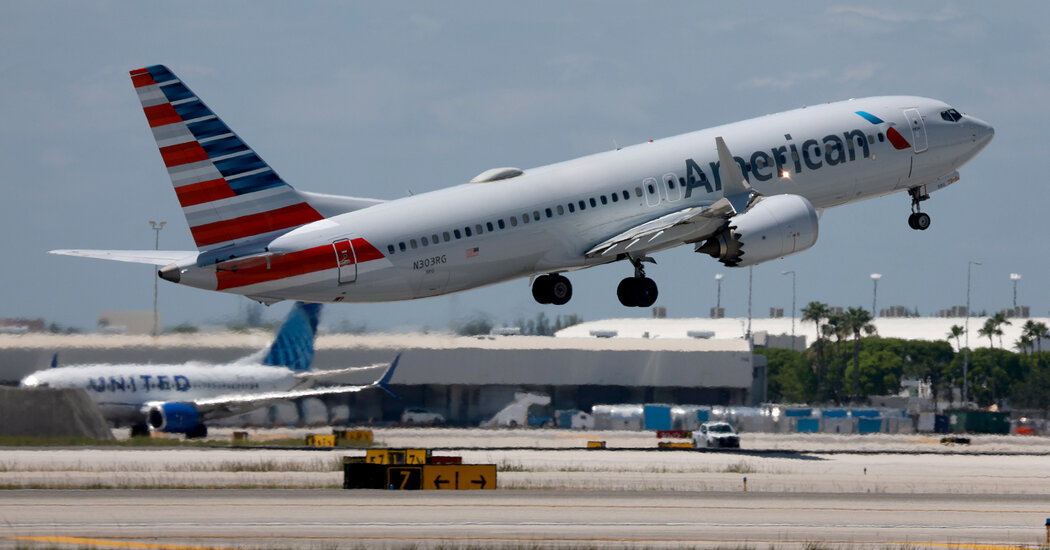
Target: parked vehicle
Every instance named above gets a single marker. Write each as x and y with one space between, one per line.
716 435
417 416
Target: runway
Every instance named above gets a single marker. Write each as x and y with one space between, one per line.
336 518
901 492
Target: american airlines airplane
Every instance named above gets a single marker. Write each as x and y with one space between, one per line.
744 193
181 398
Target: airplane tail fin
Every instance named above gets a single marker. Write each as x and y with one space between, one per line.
229 195
294 345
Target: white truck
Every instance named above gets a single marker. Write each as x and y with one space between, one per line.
719 435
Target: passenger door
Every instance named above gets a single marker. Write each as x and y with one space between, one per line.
346 260
918 129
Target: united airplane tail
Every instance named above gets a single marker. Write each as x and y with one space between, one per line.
229 195
294 345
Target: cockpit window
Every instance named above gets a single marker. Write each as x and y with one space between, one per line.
951 115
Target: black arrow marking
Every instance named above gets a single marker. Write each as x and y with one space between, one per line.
481 483
438 482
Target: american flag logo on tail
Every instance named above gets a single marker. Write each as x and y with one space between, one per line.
228 193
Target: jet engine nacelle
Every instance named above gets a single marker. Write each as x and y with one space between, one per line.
773 227
173 417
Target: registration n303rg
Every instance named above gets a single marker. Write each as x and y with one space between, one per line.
428 262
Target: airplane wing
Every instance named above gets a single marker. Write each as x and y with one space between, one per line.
225 405
154 257
688 225
691 224
315 374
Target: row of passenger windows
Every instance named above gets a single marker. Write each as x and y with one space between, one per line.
478 229
514 221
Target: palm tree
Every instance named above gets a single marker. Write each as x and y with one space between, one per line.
1035 332
1023 343
816 312
857 320
988 330
1000 320
957 332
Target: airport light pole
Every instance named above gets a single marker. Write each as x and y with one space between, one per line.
966 350
157 226
750 277
1015 277
718 299
875 293
792 273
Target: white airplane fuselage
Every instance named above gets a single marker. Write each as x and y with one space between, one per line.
546 220
122 391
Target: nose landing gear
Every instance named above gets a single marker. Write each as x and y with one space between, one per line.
638 291
918 220
552 289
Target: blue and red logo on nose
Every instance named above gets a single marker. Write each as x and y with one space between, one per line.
895 137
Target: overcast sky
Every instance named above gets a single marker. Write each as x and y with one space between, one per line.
376 99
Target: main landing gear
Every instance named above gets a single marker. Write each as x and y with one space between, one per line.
552 289
638 291
918 220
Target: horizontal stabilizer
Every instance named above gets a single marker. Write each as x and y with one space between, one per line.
152 257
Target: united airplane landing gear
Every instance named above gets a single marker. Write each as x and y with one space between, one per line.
918 220
552 289
638 291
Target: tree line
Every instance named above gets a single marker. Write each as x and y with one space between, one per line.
849 362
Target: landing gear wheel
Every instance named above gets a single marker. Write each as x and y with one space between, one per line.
139 430
645 292
918 219
637 292
197 432
626 293
541 289
561 290
922 221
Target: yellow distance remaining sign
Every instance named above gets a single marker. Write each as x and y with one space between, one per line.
462 477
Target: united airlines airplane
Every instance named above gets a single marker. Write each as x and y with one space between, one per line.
744 193
181 398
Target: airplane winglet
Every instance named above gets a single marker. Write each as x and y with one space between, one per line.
735 188
54 360
384 381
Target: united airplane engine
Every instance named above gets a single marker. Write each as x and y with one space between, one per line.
773 227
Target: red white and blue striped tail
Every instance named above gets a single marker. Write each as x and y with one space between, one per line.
230 196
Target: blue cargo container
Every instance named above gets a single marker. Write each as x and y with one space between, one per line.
834 413
565 418
808 425
798 412
869 425
865 413
657 417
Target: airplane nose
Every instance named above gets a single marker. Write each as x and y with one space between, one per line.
982 131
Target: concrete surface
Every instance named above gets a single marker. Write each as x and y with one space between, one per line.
50 412
226 498
517 519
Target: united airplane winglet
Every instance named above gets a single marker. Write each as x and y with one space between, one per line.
384 381
735 188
